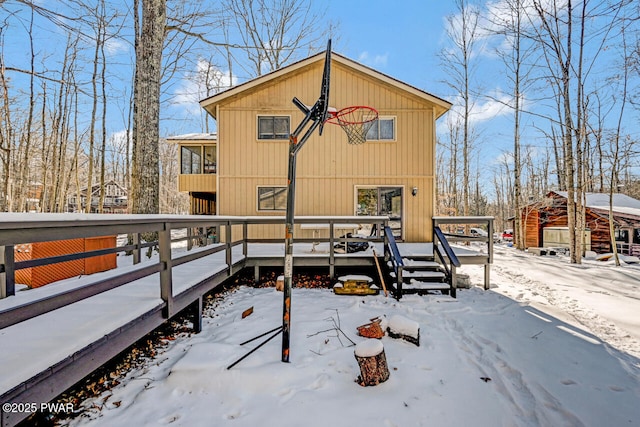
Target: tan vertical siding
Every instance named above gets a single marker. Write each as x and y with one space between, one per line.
328 169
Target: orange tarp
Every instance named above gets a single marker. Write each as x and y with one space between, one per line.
43 275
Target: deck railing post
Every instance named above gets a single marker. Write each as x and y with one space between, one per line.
245 236
166 281
454 280
137 252
228 247
7 278
197 315
331 249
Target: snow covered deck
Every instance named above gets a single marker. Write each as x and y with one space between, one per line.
53 336
67 329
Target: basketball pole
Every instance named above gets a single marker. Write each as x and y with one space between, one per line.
313 115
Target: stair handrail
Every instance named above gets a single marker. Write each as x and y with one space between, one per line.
396 262
438 233
453 258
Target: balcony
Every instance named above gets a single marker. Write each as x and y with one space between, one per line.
205 183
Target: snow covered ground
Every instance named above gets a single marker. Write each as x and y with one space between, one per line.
551 344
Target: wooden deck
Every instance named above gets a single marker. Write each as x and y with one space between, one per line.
52 337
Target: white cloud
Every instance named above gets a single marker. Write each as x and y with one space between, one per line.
379 60
204 81
114 46
498 104
118 140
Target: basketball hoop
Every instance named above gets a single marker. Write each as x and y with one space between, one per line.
355 121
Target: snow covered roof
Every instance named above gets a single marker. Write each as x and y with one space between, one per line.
601 200
194 137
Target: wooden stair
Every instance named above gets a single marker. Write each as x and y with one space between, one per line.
415 275
420 276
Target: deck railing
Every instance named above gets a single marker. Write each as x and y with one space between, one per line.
460 231
231 232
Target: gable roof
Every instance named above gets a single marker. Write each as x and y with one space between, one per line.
209 103
600 200
622 204
96 188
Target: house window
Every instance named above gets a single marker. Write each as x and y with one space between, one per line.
622 235
193 162
272 198
210 160
273 127
191 159
383 129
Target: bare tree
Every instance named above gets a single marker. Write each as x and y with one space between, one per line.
509 21
171 201
6 135
563 35
555 35
462 30
272 32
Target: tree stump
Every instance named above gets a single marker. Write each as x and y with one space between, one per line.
372 361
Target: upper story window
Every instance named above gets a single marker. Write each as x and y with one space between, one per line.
197 159
383 129
210 160
273 127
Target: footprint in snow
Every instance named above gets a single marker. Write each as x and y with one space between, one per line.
170 419
235 414
319 382
285 392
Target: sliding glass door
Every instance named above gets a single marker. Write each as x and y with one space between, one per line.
386 201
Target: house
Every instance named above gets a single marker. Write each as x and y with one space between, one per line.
34 197
242 169
115 199
545 222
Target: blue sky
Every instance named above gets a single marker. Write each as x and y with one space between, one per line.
401 39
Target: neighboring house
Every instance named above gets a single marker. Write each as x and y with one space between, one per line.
115 199
546 222
242 170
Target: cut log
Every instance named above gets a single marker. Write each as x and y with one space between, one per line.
371 330
373 363
403 328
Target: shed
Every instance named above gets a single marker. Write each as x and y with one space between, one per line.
552 212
